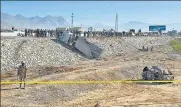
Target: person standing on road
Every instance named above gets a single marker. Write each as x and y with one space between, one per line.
51 33
37 33
31 32
25 32
45 32
41 33
28 32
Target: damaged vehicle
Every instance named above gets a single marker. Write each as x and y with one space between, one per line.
156 73
80 44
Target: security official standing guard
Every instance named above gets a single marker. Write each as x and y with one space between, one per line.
21 74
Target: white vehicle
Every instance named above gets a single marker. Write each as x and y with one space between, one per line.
19 33
12 33
80 43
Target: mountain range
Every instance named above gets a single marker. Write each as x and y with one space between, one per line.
21 22
52 22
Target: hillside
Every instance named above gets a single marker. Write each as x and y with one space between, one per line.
45 51
21 22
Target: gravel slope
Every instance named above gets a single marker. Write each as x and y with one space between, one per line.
44 51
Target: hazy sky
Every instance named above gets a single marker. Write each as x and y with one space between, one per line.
92 12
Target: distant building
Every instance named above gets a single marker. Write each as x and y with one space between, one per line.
179 33
61 29
76 29
132 30
173 32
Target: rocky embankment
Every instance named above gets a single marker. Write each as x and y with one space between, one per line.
44 51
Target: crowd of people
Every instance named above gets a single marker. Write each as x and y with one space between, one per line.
40 32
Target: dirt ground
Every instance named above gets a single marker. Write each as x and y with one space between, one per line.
121 67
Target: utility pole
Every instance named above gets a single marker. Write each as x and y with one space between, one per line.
72 20
116 23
